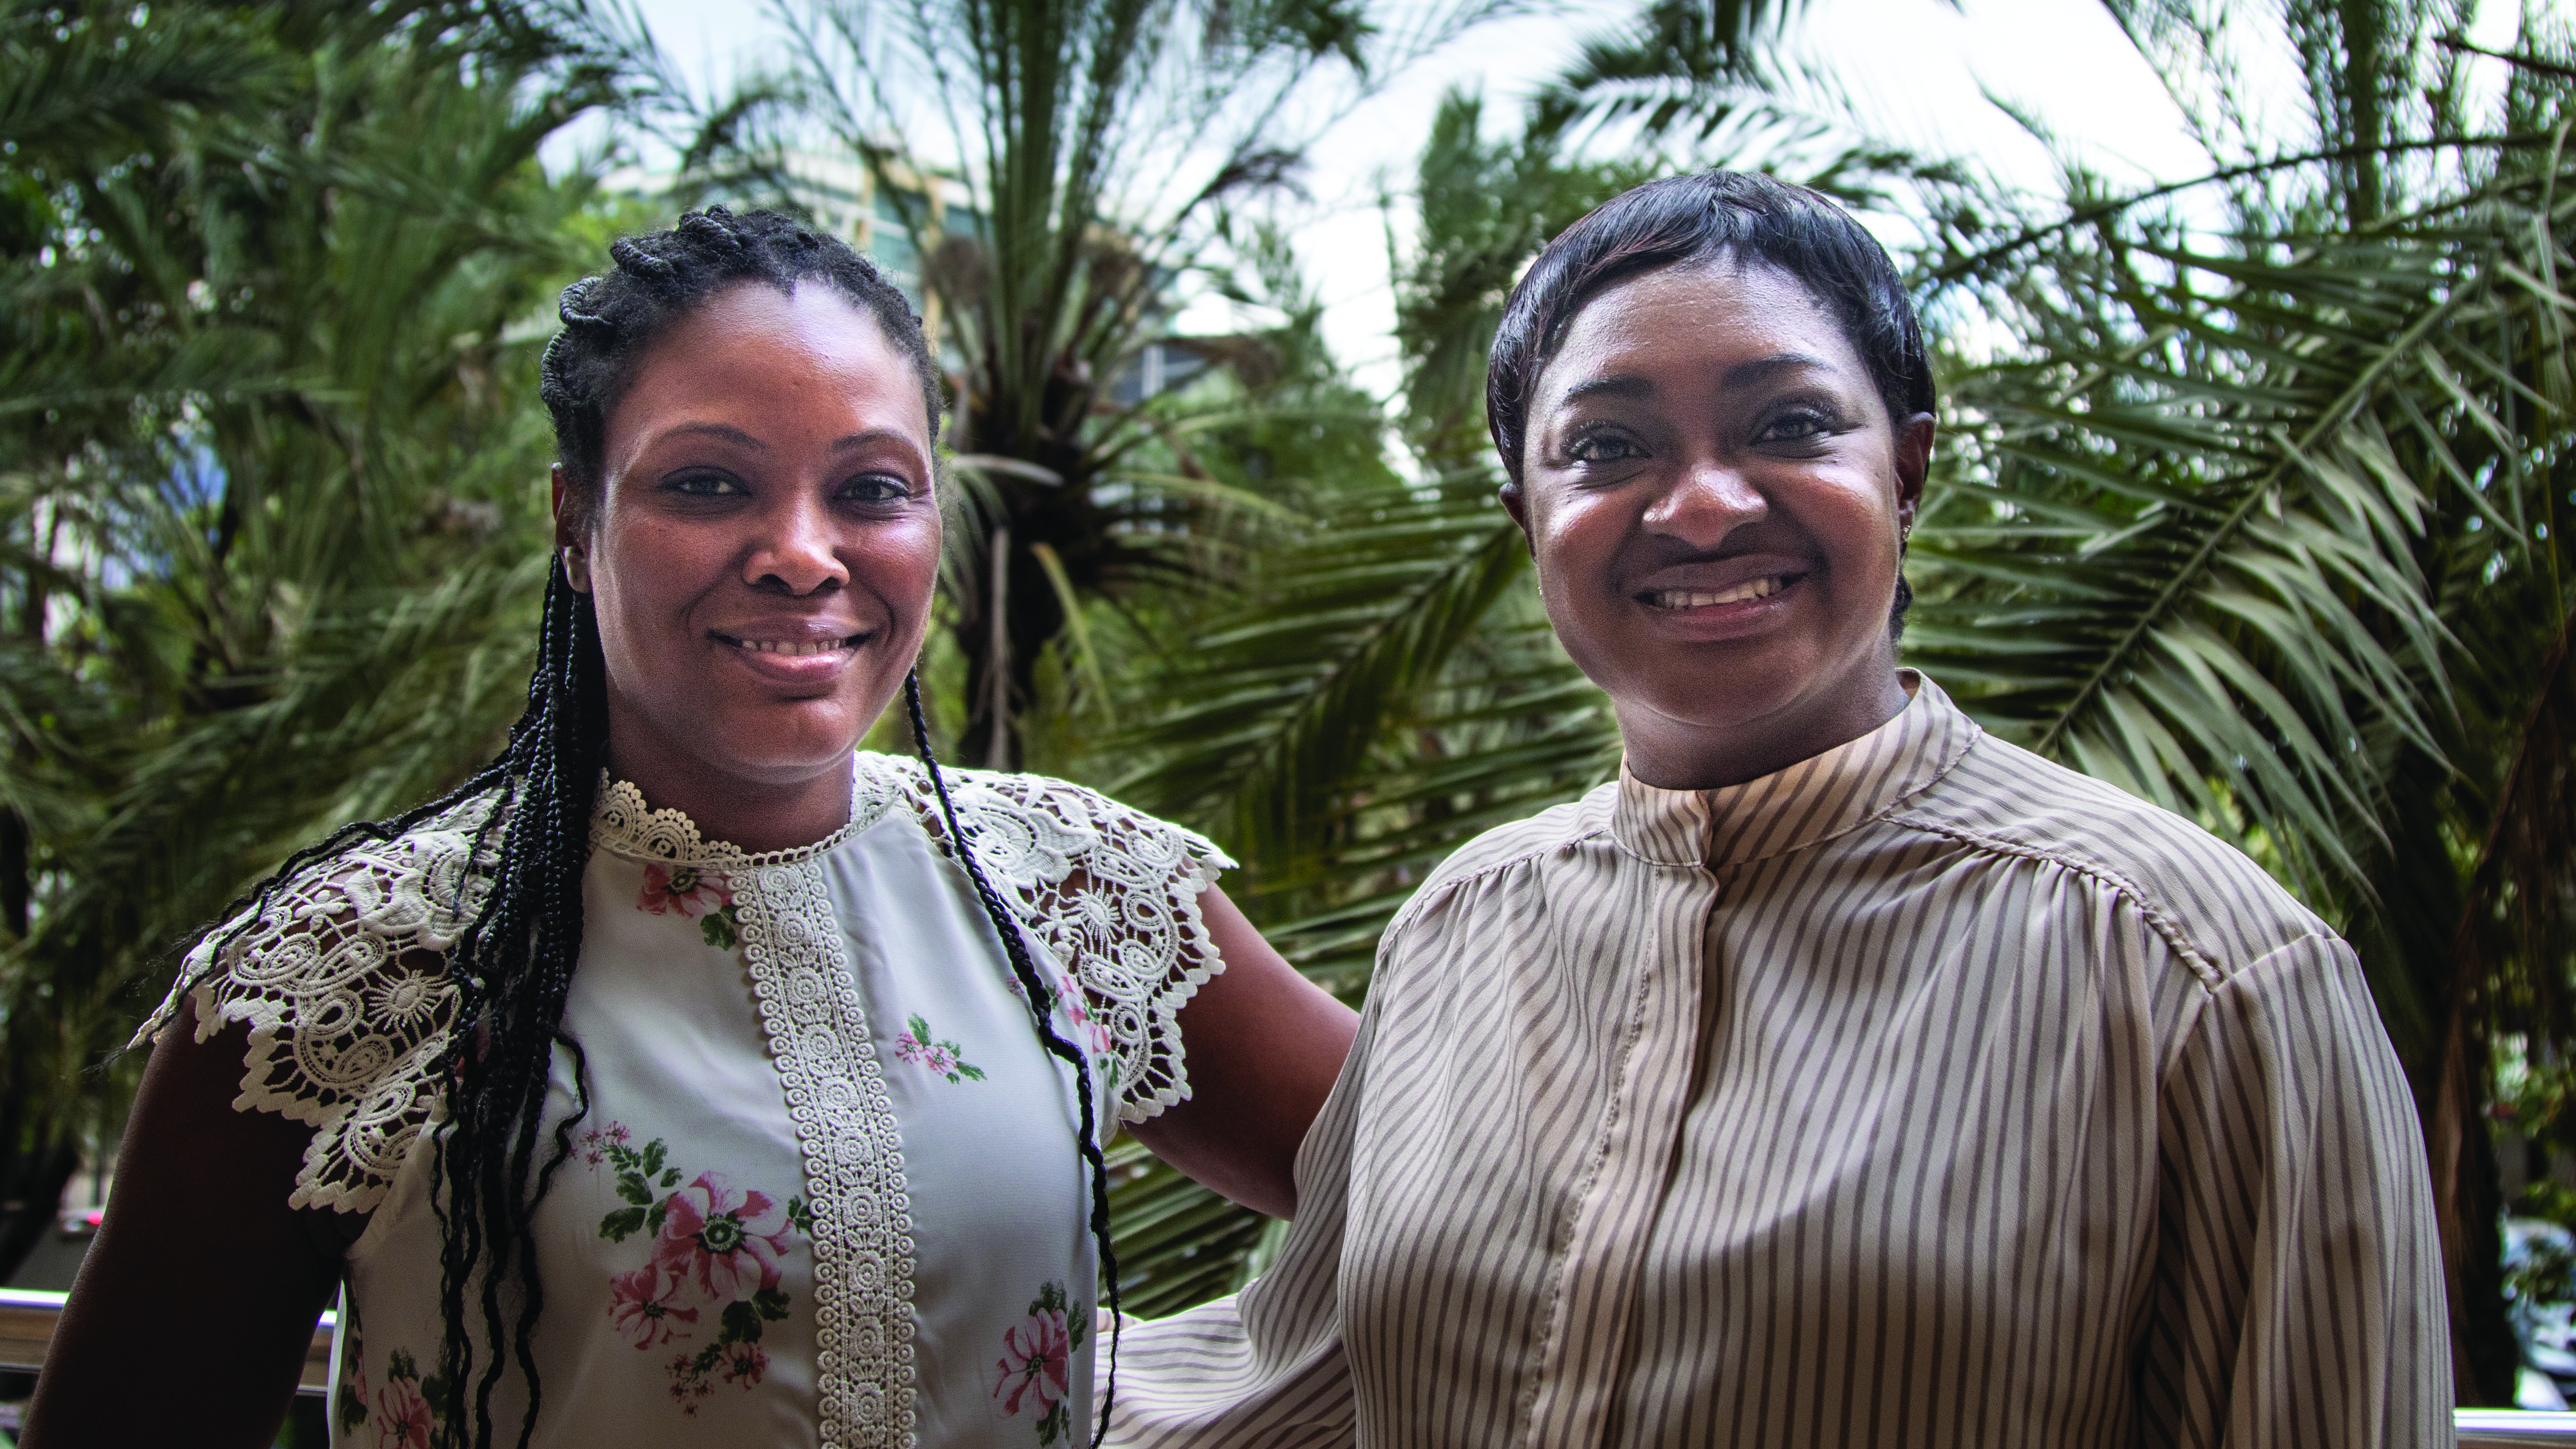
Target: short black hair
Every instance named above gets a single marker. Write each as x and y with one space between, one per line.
661 277
1700 218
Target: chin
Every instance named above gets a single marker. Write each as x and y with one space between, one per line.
1719 699
781 746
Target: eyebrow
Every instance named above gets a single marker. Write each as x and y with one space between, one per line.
727 432
1619 387
871 435
1743 374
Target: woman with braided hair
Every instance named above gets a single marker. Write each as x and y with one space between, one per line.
684 1077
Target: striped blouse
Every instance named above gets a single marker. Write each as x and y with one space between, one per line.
1923 1093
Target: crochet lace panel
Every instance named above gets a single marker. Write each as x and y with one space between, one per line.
342 977
1113 896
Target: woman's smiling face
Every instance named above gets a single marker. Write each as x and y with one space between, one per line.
764 543
1717 502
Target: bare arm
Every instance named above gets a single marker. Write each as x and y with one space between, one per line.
1264 1045
201 1274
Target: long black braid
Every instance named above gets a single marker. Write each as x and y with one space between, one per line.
1041 1002
514 963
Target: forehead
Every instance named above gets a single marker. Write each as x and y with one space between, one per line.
810 349
1695 321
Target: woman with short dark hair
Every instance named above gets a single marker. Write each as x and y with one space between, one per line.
686 1078
1840 1075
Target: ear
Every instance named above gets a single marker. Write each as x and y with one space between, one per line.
572 533
1913 465
1516 503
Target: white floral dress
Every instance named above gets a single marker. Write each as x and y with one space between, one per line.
825 1190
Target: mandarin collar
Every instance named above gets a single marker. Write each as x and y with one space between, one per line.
1815 799
623 824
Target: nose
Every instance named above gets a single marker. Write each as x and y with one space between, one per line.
1706 502
795 551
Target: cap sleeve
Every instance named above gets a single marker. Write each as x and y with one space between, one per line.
340 972
1113 896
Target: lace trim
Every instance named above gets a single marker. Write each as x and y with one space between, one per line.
621 822
1113 896
342 978
836 1095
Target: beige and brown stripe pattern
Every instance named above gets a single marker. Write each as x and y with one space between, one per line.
1922 1094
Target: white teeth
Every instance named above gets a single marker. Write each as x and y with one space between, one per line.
1701 599
793 649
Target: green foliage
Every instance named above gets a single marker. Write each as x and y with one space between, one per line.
270 522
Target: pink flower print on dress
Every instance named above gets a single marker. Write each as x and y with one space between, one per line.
1036 1356
683 891
743 1364
688 1384
692 894
941 1058
1077 1010
726 1240
598 1141
640 1303
712 1245
402 1415
1034 1373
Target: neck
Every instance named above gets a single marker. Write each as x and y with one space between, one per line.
753 813
1674 754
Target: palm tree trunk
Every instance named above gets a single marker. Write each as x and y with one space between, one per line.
2486 1359
2527 844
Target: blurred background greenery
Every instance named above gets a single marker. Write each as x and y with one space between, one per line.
2252 497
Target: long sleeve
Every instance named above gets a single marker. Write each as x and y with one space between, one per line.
2298 1295
1263 1368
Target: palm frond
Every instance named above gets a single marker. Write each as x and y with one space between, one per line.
2201 521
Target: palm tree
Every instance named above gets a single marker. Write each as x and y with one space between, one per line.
268 475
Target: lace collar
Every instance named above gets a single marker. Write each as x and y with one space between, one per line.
1816 798
622 823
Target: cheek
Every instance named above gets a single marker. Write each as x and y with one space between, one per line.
1856 523
1576 539
642 579
899 563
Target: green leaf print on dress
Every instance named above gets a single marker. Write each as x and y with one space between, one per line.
693 894
713 1264
1034 1376
945 1058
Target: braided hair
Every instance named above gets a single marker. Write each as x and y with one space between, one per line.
513 964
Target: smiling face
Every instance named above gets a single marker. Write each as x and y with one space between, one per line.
761 552
1717 500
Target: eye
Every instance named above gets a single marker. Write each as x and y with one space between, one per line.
1795 425
706 485
1603 447
874 488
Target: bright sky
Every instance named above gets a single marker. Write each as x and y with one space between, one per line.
1918 68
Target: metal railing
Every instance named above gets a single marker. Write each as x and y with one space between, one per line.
27 1326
